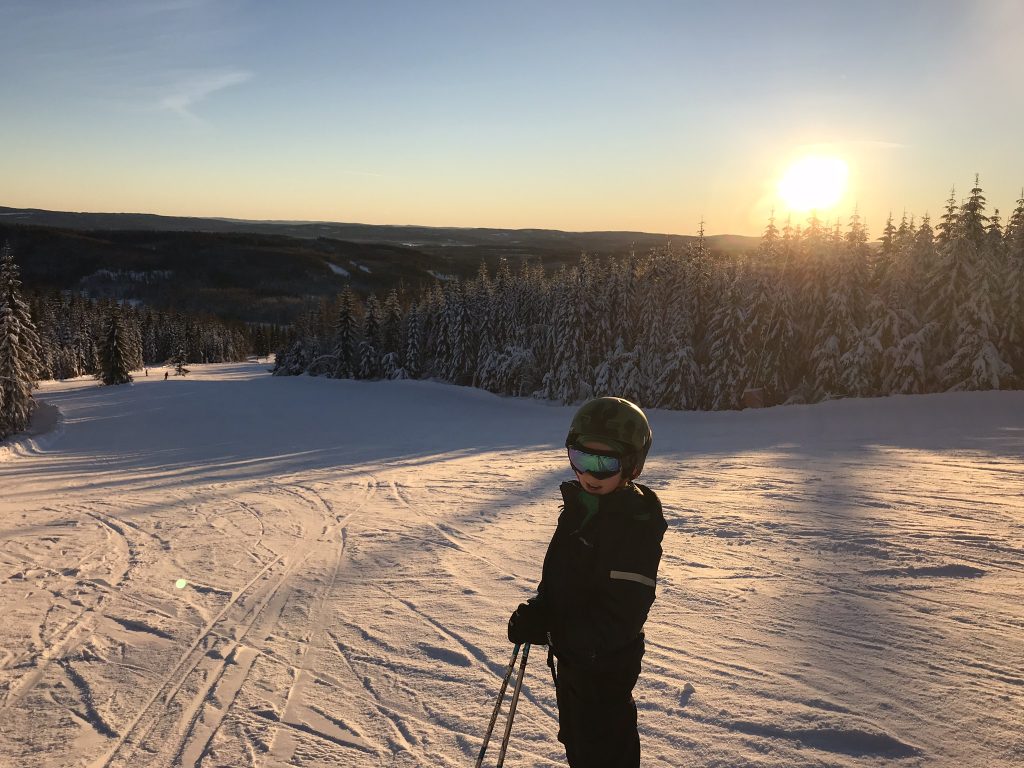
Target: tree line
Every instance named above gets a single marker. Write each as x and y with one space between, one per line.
816 312
81 336
63 335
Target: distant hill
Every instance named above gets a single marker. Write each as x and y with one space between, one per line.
270 270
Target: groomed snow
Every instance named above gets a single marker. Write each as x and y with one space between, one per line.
840 586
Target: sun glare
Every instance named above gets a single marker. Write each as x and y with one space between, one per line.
814 183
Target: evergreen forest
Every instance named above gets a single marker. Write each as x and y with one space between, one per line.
63 335
817 311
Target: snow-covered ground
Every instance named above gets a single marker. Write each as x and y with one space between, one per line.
841 584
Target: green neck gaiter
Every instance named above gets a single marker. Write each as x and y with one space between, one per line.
589 502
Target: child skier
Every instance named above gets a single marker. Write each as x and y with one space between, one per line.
597 585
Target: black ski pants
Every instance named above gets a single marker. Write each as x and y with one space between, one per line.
596 711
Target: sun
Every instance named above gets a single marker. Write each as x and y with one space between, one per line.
814 183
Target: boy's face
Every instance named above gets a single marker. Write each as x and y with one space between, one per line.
590 483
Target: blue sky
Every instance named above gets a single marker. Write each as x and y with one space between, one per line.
569 115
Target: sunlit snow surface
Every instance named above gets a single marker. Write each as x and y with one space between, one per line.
233 569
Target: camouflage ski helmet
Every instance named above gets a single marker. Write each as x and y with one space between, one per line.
618 423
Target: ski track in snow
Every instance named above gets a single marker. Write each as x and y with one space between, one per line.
831 594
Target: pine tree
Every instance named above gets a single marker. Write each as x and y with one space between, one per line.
885 259
948 225
566 381
775 366
115 350
921 265
974 362
727 351
1012 334
861 360
369 348
413 342
345 337
677 384
19 350
179 361
391 327
948 287
457 367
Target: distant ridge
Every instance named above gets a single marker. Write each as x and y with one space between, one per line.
413 236
273 271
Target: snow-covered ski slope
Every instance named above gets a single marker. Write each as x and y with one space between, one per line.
841 584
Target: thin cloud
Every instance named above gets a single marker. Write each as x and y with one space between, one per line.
188 92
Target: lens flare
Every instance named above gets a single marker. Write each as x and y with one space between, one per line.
181 583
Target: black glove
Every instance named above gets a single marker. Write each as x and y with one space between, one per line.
528 624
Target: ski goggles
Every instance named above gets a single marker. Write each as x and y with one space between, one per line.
600 466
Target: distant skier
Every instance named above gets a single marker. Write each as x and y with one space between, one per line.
598 584
165 375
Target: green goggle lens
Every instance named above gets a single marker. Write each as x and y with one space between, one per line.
600 466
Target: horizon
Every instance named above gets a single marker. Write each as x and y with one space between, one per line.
584 117
364 223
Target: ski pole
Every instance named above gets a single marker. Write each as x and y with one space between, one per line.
512 705
497 704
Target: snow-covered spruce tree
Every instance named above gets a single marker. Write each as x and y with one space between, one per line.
115 350
391 326
836 329
369 361
566 380
294 355
435 338
922 262
770 330
861 361
1012 335
592 315
480 301
974 362
345 337
391 366
43 314
676 385
413 342
369 348
809 279
653 334
179 360
948 222
10 292
19 350
506 290
779 350
995 253
727 336
948 291
625 372
624 274
539 334
895 334
900 273
885 257
457 367
504 363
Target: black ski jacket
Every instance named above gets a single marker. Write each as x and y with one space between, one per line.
598 580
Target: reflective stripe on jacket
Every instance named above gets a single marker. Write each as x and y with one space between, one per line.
599 578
